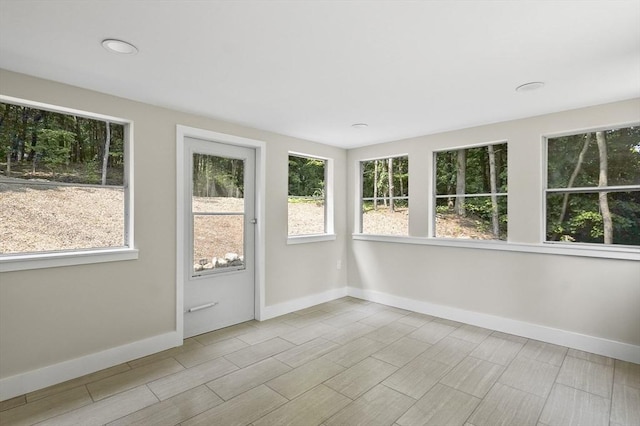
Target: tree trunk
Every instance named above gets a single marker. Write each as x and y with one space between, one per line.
8 163
391 206
576 171
105 155
375 184
602 196
494 198
460 182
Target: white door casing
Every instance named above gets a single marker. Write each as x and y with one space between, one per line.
214 298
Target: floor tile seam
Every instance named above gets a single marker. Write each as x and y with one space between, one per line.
367 390
26 395
408 396
216 393
88 403
146 380
490 362
27 402
104 399
610 397
19 405
242 368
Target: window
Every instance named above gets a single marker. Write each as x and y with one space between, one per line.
385 196
63 181
308 198
593 187
471 193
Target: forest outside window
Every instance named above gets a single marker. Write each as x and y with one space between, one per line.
63 181
593 187
471 193
308 196
385 196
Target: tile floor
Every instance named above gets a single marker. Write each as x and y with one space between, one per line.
347 362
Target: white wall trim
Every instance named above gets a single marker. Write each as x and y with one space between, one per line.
33 380
301 303
564 249
596 345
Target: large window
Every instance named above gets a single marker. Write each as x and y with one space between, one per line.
307 200
385 196
63 181
593 187
471 193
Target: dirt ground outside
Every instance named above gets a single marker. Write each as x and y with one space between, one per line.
44 218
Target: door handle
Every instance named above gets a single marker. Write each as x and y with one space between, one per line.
254 221
205 306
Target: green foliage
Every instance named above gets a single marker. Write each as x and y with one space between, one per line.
477 177
306 177
54 148
60 146
583 221
400 178
215 176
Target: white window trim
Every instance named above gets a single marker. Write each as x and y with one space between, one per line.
434 179
601 250
329 230
359 198
52 259
582 250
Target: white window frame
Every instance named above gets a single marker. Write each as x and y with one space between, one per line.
360 199
51 259
435 196
329 230
605 250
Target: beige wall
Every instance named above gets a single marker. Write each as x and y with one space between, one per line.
596 297
51 315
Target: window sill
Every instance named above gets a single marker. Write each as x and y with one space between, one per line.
23 262
303 239
545 248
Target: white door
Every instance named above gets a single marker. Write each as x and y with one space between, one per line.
219 225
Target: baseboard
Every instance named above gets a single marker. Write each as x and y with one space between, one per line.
596 345
283 308
30 381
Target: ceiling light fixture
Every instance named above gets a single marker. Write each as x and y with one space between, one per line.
360 125
119 47
529 87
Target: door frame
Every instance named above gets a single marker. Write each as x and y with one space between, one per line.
182 186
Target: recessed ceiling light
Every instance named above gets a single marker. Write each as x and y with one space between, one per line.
119 46
360 125
529 87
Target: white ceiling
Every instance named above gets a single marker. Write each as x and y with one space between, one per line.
310 69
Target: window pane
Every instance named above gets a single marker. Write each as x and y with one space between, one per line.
574 161
385 220
306 215
218 184
383 182
478 222
579 218
306 201
218 242
49 162
35 218
471 166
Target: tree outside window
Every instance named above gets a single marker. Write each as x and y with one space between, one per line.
307 197
593 187
471 193
385 196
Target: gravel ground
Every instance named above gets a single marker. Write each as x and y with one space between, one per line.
41 218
